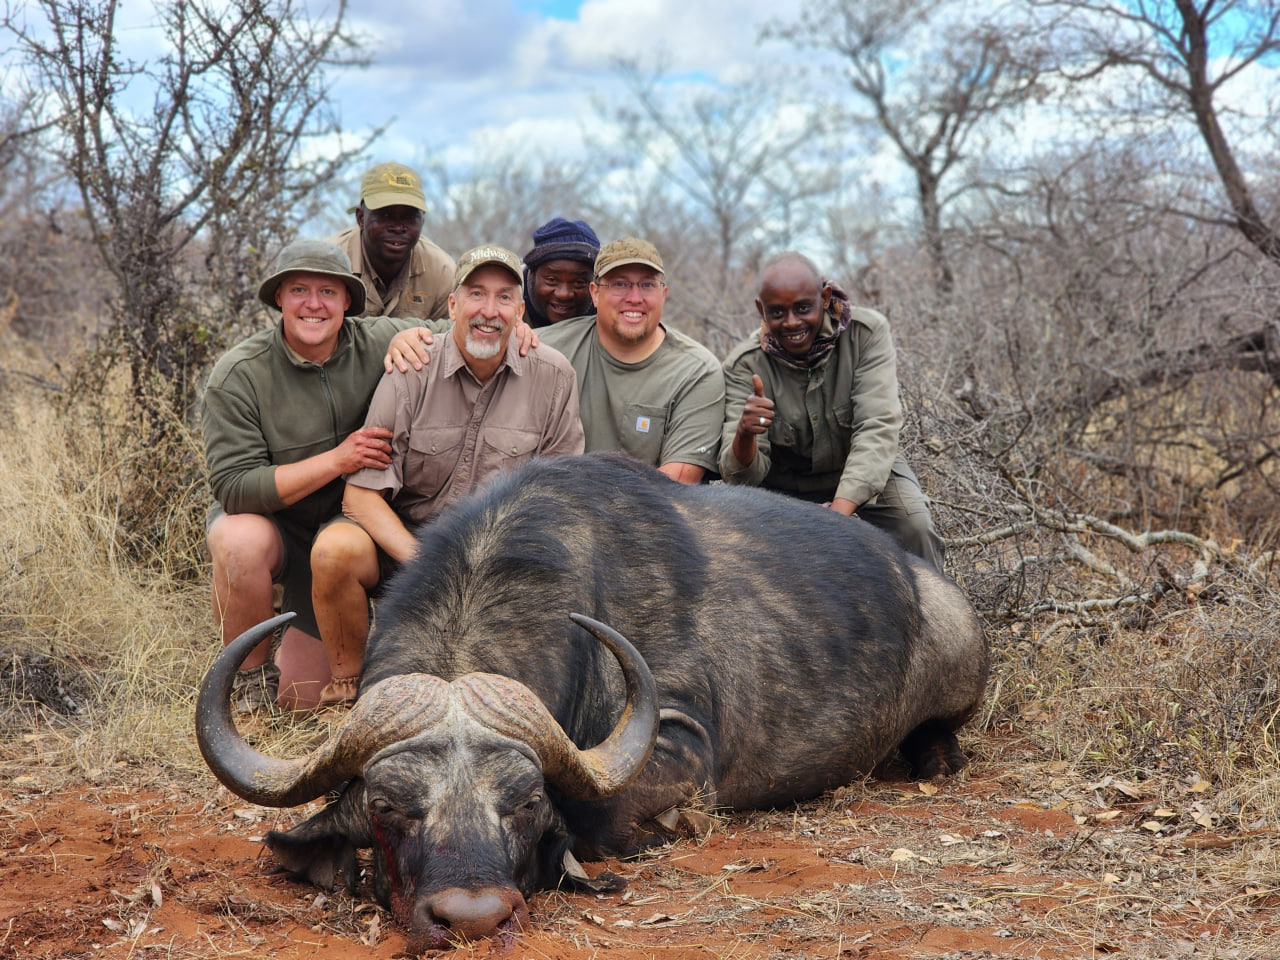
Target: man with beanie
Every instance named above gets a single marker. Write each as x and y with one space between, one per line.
558 272
644 389
404 274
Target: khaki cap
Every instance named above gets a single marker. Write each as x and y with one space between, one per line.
477 257
314 256
620 253
390 185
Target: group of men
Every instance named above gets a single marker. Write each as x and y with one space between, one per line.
323 467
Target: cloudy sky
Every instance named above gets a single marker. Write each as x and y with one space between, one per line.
454 77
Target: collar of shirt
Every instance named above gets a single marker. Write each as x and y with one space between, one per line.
451 359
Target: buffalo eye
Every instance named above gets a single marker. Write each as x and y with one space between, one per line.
527 808
384 812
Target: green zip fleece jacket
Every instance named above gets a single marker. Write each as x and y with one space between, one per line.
835 426
265 406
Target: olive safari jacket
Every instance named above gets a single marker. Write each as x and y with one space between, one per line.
835 426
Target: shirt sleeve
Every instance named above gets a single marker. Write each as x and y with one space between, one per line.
390 408
737 387
241 474
877 417
694 423
563 434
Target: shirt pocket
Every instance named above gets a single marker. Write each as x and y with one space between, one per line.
431 459
844 414
507 447
641 432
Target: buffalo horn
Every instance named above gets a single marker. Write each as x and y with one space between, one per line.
511 709
390 711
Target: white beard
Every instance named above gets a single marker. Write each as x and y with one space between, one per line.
482 349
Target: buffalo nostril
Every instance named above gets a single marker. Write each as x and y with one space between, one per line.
464 914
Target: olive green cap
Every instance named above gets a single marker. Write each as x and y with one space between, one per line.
390 185
628 250
314 256
477 257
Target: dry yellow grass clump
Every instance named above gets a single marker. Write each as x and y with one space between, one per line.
125 637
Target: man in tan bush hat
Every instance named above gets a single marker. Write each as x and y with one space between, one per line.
645 389
283 418
404 274
476 409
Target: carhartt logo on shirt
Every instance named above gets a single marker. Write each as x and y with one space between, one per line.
642 424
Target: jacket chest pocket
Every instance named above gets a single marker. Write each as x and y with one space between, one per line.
783 434
431 459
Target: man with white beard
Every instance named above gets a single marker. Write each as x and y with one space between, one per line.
476 408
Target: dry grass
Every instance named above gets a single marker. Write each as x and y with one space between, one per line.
1160 716
130 637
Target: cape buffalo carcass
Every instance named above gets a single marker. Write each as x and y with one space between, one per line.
780 650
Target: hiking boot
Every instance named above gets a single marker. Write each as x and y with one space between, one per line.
254 691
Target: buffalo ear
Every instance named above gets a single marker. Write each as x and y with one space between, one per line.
324 845
573 877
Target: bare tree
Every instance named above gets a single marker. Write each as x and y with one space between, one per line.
740 158
932 80
504 197
1189 49
183 196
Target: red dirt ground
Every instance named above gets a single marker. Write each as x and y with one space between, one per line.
883 869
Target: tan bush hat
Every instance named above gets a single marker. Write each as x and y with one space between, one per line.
314 256
392 184
477 257
620 253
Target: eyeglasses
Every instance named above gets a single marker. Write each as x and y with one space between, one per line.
621 288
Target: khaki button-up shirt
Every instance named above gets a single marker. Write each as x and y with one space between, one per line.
421 289
450 431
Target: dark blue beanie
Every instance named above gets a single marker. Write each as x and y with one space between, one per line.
561 239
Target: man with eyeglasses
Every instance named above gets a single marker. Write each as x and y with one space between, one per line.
813 407
645 389
404 274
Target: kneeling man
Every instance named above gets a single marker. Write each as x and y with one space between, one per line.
812 407
476 408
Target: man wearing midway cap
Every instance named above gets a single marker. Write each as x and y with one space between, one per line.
558 271
404 274
646 389
476 408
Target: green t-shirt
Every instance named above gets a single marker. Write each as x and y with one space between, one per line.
264 406
668 408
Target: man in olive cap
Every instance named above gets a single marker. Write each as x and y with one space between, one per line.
475 409
404 274
645 389
283 419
